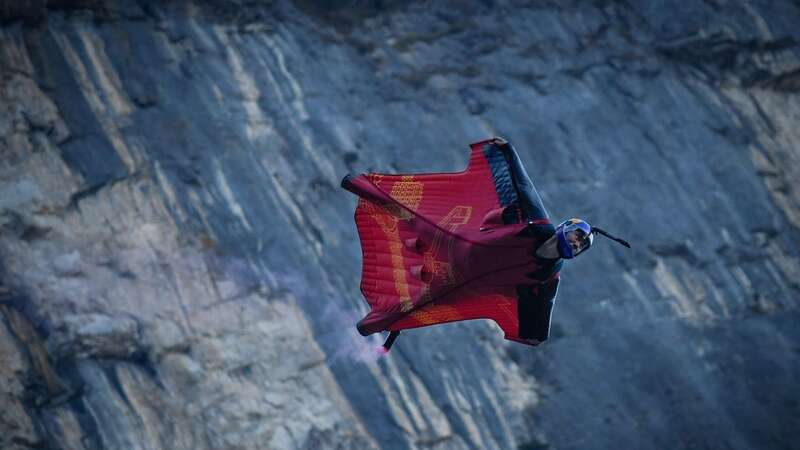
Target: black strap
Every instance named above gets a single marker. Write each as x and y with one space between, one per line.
605 233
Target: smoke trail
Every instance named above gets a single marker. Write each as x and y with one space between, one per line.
349 346
236 276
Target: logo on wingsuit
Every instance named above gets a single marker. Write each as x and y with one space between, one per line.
409 193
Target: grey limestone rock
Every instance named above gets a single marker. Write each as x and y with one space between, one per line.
181 271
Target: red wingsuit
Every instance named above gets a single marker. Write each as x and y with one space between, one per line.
444 247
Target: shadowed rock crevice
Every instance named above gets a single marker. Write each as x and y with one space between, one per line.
719 56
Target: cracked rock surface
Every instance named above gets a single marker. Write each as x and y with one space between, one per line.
179 269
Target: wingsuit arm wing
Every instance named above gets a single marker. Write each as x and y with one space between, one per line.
525 192
524 315
535 309
495 180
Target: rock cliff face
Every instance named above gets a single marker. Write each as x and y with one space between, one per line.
180 269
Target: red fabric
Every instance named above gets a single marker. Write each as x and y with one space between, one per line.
428 255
